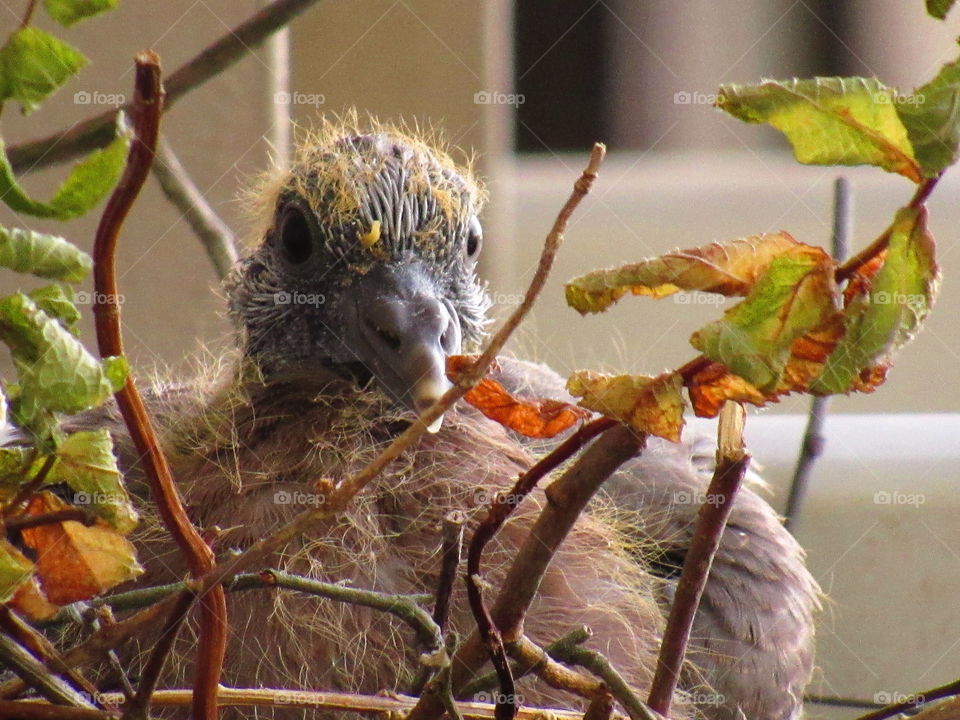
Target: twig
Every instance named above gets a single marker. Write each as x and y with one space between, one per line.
558 676
15 657
42 649
813 440
393 705
914 701
732 463
20 710
24 522
105 615
844 702
596 663
566 499
217 238
496 516
147 107
28 14
99 130
851 266
450 557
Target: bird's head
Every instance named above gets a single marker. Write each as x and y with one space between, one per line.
366 266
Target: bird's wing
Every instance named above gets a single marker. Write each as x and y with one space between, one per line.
752 643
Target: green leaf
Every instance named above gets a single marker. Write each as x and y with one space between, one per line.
33 64
15 468
89 181
57 302
829 121
795 294
47 256
56 373
67 12
15 569
932 118
939 8
85 462
900 297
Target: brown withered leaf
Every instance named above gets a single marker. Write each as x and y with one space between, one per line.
649 404
711 387
76 562
808 355
532 417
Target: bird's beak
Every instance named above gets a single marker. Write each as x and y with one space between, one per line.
402 332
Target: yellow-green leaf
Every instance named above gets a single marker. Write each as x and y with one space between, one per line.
33 64
795 294
15 569
939 8
729 268
67 12
931 114
900 296
829 120
47 256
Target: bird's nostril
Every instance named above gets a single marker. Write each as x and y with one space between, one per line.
390 338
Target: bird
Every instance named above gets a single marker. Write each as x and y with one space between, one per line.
360 282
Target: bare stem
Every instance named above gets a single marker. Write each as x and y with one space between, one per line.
732 463
182 192
147 107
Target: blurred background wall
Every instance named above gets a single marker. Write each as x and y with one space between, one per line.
529 86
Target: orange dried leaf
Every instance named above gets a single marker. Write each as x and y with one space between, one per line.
76 562
30 601
711 387
528 416
649 404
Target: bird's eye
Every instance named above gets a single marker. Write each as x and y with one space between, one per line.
474 238
296 240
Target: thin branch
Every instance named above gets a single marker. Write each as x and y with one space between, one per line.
35 674
914 701
813 440
217 238
147 107
558 676
851 266
28 14
566 499
839 701
30 487
24 522
99 130
42 649
600 666
21 710
450 556
732 463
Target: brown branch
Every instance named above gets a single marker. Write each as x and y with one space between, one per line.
450 556
914 701
182 192
24 522
566 499
558 676
99 130
496 516
28 14
42 649
147 107
732 463
21 710
851 266
34 673
813 440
